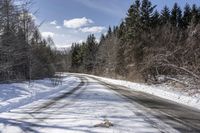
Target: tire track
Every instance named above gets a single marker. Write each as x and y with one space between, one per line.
54 100
177 116
47 105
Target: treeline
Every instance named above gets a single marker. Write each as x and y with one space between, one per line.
24 54
145 46
83 56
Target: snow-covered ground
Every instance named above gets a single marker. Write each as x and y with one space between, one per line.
92 104
18 94
163 91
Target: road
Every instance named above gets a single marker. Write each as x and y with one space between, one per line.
91 102
180 117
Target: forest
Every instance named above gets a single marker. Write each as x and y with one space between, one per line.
24 54
148 46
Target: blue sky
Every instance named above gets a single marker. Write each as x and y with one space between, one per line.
69 21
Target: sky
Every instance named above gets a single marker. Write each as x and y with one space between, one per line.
69 21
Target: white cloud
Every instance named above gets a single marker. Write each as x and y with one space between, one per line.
94 29
58 27
80 41
62 35
77 22
48 34
53 22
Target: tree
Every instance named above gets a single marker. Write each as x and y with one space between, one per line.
195 15
109 31
155 19
9 40
90 54
176 16
146 45
187 16
133 27
120 65
132 21
146 14
165 15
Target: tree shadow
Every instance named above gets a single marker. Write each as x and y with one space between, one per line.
11 91
35 128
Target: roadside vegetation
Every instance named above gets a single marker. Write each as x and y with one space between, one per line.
148 46
24 54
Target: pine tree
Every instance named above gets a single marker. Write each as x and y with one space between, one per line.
109 32
176 16
132 21
120 65
102 38
165 15
90 53
155 19
115 29
195 15
187 16
121 31
77 58
146 14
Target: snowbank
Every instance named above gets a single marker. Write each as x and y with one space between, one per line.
19 94
162 91
82 112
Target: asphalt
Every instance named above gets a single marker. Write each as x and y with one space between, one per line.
182 118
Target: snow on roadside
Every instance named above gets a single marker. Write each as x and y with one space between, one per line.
19 94
89 106
162 91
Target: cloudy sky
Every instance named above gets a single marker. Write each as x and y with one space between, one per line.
69 21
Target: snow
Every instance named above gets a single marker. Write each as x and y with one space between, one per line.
92 104
163 91
18 94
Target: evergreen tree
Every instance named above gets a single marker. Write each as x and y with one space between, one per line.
195 15
176 16
109 32
146 14
187 15
121 65
165 15
23 52
102 39
132 21
115 29
155 19
121 31
77 58
148 44
90 53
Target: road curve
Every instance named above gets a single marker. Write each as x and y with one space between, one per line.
53 101
84 105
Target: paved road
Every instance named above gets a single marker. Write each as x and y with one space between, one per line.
86 102
180 117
